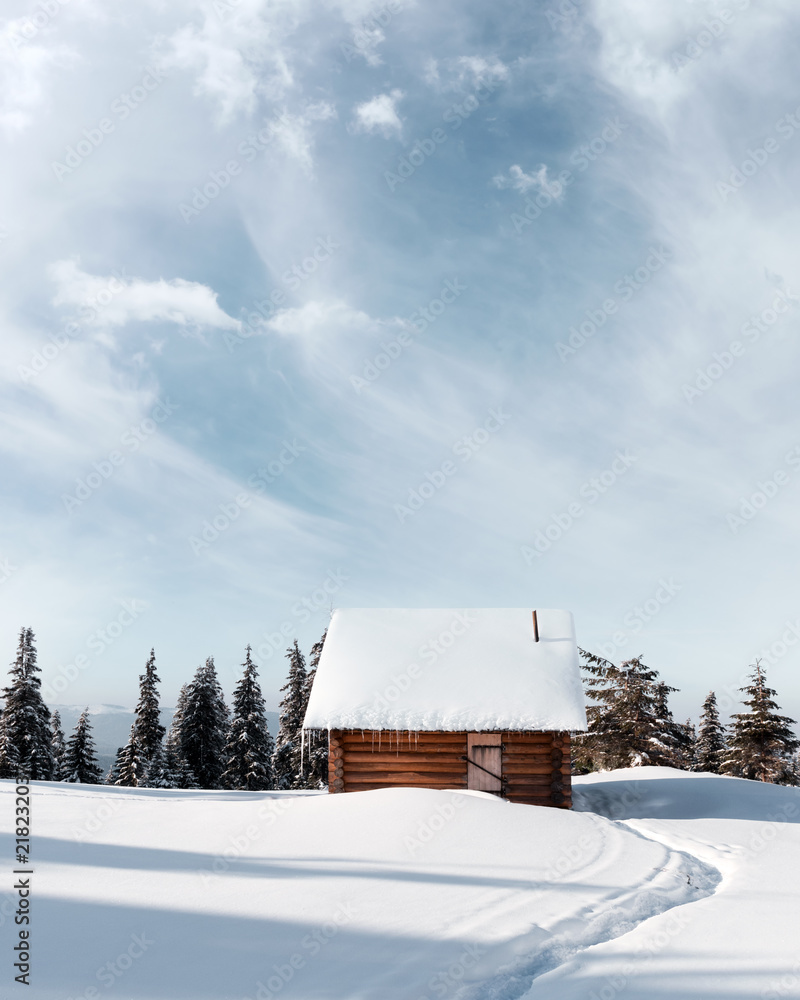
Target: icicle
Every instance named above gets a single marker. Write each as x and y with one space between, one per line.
302 749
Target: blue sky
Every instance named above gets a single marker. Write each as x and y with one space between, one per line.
426 201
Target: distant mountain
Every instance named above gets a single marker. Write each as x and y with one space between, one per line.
111 726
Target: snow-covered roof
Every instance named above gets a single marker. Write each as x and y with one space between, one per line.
448 669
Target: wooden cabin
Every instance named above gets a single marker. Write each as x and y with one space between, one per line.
481 699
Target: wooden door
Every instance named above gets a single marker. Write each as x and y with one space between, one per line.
484 762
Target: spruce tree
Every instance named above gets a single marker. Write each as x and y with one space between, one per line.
113 771
671 742
58 745
624 728
762 744
711 745
174 760
80 762
203 727
315 749
131 762
26 751
249 747
286 762
149 731
159 773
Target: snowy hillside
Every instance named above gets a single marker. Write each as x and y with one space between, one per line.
660 884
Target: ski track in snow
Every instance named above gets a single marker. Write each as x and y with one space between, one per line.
682 879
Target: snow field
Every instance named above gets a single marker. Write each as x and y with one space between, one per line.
661 885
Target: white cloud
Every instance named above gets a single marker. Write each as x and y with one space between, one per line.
24 68
237 58
317 322
465 72
293 134
379 114
118 299
522 182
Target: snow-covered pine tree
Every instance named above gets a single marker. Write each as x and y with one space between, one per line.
26 751
149 730
131 762
691 752
711 745
58 745
315 749
203 727
158 772
175 762
623 719
671 743
286 761
762 744
249 747
113 771
80 762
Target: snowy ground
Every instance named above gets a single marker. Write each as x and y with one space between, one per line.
660 884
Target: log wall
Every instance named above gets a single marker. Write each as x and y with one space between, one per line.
535 766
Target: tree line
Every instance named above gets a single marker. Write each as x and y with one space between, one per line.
207 745
630 724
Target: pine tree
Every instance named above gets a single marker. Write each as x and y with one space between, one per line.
315 749
80 762
249 747
58 745
131 762
671 743
203 727
624 728
113 771
174 760
159 773
286 762
26 751
711 745
149 731
762 744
